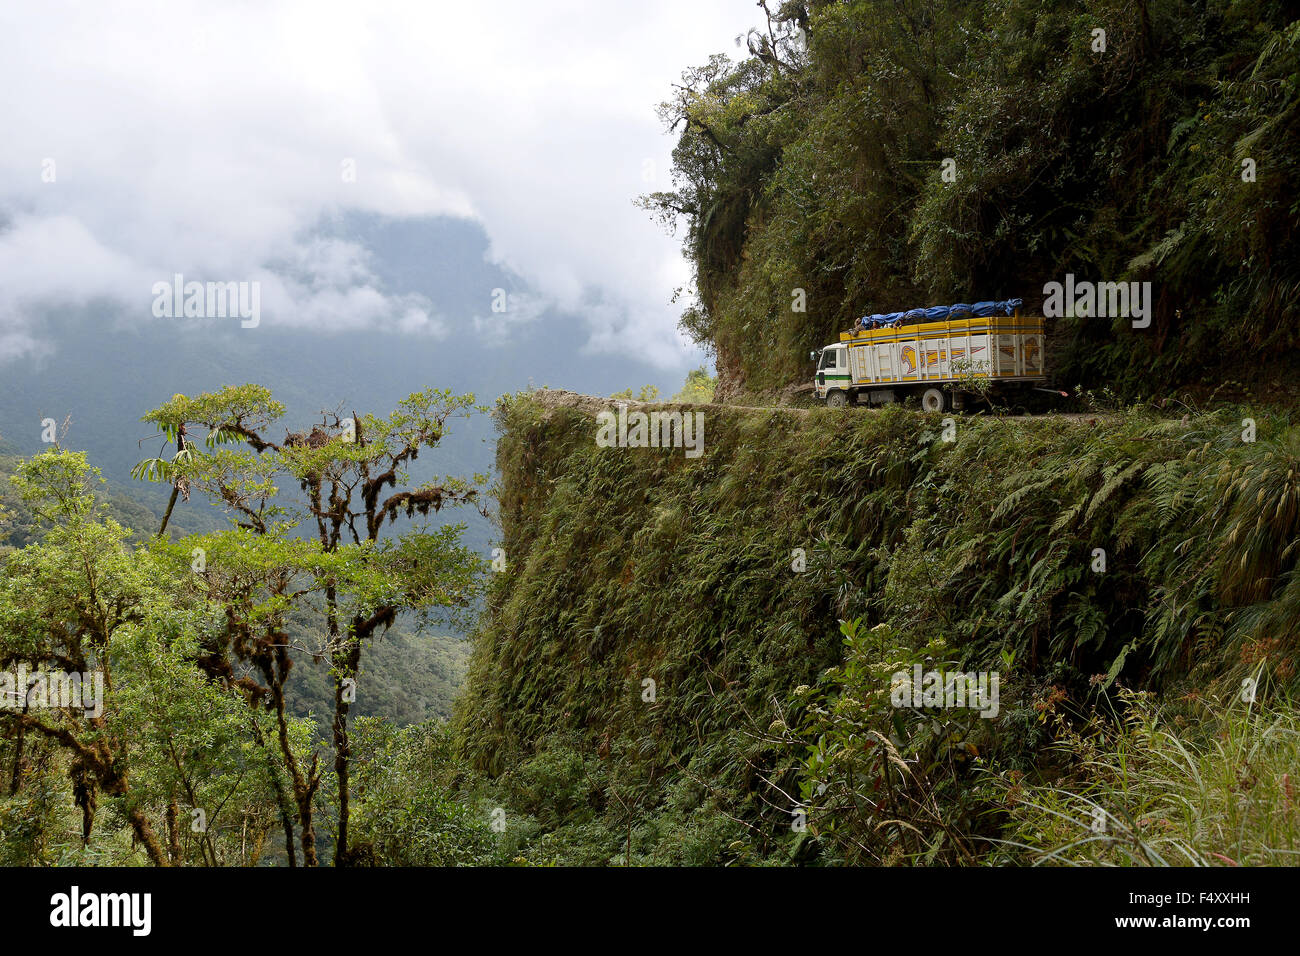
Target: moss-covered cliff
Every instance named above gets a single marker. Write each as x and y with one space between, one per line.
1075 557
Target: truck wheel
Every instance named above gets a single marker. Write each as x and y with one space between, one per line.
933 400
836 398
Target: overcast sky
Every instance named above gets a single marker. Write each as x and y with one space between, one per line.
210 138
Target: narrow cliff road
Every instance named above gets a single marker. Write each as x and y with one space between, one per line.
563 398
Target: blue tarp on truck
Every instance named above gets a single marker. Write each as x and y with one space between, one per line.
937 313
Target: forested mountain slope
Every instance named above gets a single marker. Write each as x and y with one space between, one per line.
877 155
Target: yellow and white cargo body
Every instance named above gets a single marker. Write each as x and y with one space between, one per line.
878 366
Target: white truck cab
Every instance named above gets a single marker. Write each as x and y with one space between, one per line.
833 378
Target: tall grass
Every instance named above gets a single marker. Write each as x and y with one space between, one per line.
1220 789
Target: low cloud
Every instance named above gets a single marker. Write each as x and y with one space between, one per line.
211 140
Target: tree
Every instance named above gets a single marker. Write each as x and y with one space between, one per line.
698 388
65 602
339 545
648 393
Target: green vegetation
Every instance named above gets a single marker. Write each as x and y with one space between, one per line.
1201 782
17 526
686 661
407 813
648 393
817 163
698 388
635 565
194 751
411 676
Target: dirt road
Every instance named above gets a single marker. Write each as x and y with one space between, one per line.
563 398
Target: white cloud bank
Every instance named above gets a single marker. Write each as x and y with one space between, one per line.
208 139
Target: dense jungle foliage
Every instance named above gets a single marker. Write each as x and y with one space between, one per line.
1164 151
690 662
193 745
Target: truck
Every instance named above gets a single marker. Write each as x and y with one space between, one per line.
932 360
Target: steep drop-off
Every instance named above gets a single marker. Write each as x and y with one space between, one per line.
1073 557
